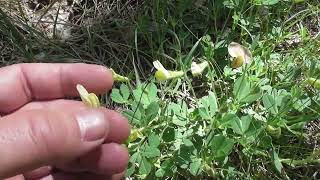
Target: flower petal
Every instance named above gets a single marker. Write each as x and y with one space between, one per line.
94 100
247 55
158 65
161 73
84 95
197 69
90 100
161 76
236 50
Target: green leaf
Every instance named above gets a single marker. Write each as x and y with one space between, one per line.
241 88
252 133
178 122
179 109
160 173
125 91
184 157
140 96
117 97
240 126
168 134
195 167
130 170
152 111
221 146
146 94
120 96
276 161
187 142
266 2
270 2
254 95
136 115
133 117
204 114
208 106
246 92
188 58
264 140
154 140
301 104
167 168
213 103
152 92
144 167
134 157
246 121
228 120
270 104
151 152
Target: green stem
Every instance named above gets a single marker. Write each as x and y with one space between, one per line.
293 162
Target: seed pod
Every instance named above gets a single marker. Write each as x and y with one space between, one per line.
274 132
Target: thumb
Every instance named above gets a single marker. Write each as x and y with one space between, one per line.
35 138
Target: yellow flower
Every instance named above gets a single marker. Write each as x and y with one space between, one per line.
90 99
163 74
135 134
117 77
241 55
197 69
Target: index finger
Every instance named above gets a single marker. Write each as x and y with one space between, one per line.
22 83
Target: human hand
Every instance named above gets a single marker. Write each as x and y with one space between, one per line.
43 136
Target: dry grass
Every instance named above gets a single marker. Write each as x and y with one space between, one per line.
105 32
99 32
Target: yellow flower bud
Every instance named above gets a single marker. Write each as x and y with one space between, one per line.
135 134
117 77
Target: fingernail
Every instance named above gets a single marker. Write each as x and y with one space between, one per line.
92 124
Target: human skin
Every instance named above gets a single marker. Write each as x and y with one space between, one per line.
44 136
